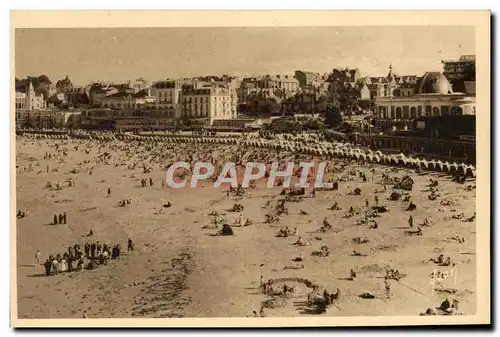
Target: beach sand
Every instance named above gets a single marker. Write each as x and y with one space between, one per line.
179 270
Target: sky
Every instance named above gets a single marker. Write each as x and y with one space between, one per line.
120 54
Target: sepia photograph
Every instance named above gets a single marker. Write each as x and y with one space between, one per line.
278 168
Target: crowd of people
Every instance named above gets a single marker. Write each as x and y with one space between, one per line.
74 259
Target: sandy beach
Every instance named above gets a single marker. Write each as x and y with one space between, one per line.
179 270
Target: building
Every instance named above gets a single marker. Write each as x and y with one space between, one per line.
64 85
96 93
123 120
27 99
307 101
308 79
236 124
47 119
433 96
365 93
450 138
263 102
77 96
203 106
168 96
461 73
139 84
344 75
283 82
128 100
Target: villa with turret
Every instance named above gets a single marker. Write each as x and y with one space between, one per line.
28 99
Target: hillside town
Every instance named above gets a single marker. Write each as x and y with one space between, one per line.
381 111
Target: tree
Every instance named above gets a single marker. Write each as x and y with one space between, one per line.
333 116
44 79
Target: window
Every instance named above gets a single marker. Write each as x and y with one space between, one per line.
399 113
406 111
435 111
413 112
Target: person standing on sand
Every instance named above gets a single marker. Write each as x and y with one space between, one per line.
55 219
387 288
410 221
130 247
109 192
37 258
64 217
55 266
48 266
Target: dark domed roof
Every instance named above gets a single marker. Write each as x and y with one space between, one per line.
434 83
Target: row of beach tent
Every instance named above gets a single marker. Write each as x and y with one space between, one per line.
296 145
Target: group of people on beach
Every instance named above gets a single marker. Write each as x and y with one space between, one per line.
60 219
93 255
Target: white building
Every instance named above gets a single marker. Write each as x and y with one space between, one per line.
168 96
207 104
28 99
434 97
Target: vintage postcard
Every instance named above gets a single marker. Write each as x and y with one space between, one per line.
243 169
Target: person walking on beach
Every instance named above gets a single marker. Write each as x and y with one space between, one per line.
64 217
410 221
37 258
130 247
55 219
387 288
109 192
